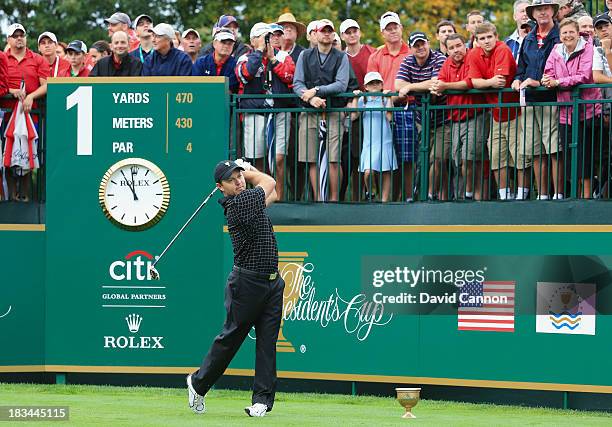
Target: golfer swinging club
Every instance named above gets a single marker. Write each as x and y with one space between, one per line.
254 292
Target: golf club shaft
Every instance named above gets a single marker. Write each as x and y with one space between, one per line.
184 226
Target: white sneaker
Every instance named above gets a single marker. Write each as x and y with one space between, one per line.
196 402
256 410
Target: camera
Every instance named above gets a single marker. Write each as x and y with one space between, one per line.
267 38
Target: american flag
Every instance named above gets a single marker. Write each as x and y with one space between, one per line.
486 317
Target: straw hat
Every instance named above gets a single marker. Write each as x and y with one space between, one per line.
288 18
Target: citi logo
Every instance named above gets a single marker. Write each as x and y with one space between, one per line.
133 342
133 322
133 267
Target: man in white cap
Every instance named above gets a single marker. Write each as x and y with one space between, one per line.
265 69
120 21
220 62
28 67
228 22
166 60
191 43
311 33
386 61
143 25
321 73
359 54
47 46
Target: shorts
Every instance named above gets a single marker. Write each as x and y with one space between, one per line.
308 145
502 144
540 133
439 141
405 136
469 138
255 134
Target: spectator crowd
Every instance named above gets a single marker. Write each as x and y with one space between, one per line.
368 142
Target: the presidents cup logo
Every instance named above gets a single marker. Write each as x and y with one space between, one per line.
136 266
132 341
301 303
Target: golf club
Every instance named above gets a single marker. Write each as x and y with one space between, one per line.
152 271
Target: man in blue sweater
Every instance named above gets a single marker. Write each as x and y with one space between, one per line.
220 62
166 60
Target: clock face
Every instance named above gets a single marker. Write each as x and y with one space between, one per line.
134 194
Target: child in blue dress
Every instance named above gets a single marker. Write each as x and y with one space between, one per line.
377 154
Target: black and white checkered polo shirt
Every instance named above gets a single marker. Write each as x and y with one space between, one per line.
251 231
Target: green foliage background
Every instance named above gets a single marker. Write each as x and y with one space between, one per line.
75 19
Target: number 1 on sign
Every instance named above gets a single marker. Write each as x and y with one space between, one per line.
82 98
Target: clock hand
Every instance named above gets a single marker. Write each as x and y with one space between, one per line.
129 186
134 171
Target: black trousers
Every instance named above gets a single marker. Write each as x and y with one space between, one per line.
250 301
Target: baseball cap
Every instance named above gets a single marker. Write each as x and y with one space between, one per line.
312 27
325 23
164 29
224 34
224 169
415 36
118 17
275 27
372 76
190 30
601 19
139 17
78 46
14 27
225 20
530 25
348 23
47 34
259 29
388 18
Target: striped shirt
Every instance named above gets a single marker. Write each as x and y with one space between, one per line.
410 71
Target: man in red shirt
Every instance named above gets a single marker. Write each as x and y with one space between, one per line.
492 66
387 61
31 69
470 127
358 53
47 46
76 56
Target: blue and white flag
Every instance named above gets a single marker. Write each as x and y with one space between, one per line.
271 142
323 160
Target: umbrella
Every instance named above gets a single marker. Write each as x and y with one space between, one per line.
323 162
21 148
271 141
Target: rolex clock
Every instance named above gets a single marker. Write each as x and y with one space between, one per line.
134 194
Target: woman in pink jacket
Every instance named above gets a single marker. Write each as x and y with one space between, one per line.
570 64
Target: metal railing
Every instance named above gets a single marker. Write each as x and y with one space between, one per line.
435 159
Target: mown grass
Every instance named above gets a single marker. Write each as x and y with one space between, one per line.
144 406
